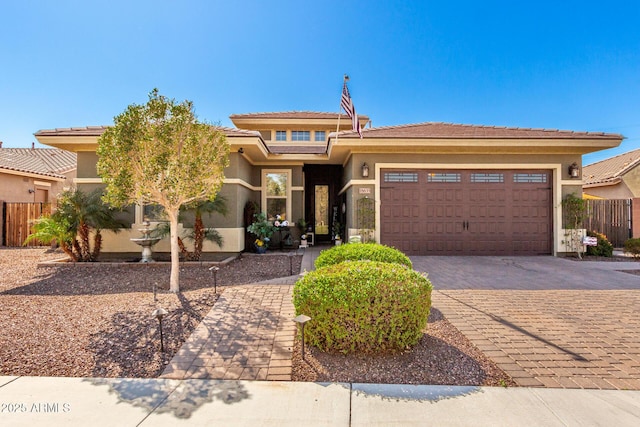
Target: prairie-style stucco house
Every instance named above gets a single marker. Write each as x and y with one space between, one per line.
426 188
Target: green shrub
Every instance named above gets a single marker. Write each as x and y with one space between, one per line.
604 247
364 306
361 251
632 246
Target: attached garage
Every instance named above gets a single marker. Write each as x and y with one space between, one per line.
467 212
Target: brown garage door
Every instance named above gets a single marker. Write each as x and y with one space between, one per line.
435 212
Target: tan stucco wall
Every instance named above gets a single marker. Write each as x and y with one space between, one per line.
618 191
87 161
632 180
15 188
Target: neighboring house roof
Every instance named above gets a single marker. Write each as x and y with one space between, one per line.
452 130
609 171
50 162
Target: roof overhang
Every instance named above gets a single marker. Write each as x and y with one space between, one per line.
46 177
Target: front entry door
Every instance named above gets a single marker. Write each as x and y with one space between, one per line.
321 199
321 216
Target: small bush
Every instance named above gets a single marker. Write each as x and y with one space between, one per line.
365 306
604 247
632 246
361 251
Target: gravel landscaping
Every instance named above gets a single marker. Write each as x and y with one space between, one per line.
95 321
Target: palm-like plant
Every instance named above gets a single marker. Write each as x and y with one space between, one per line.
199 233
47 229
77 216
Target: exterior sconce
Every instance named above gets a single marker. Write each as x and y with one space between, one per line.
365 170
31 191
574 170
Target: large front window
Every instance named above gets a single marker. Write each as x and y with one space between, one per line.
276 194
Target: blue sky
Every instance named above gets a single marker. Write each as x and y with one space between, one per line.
545 64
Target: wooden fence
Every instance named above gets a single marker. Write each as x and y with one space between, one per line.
18 219
611 218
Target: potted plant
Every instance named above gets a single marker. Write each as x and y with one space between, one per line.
263 230
302 226
336 232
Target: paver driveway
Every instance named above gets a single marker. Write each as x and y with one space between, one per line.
545 321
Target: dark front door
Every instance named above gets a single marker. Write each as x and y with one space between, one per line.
321 187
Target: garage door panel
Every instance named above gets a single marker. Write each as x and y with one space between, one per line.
470 212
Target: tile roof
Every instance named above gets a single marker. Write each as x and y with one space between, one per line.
75 131
99 130
297 149
610 170
291 115
41 161
452 130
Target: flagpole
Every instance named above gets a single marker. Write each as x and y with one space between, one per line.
344 82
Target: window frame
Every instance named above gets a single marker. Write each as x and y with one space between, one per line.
300 136
279 134
287 197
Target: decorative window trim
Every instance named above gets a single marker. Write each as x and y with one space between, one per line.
444 177
539 178
487 177
401 177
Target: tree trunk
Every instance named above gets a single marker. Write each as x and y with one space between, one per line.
198 231
174 281
97 246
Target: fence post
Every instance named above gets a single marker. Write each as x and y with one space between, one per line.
635 217
2 222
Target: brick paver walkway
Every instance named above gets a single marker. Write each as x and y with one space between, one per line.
247 335
570 339
547 322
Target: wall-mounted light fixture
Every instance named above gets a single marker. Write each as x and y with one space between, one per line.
31 191
574 170
365 170
241 150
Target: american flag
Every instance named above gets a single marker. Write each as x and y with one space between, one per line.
347 104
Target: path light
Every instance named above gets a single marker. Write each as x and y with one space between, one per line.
302 319
214 270
159 313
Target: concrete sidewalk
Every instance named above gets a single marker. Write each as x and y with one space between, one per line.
42 401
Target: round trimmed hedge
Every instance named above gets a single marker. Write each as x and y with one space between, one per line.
361 251
364 306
